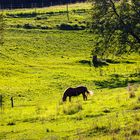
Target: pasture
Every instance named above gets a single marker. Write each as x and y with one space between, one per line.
38 64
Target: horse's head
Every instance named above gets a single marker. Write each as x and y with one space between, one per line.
64 98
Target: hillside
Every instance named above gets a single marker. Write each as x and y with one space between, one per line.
39 61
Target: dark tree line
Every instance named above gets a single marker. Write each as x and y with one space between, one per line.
2 27
11 4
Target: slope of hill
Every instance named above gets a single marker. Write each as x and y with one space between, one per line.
38 65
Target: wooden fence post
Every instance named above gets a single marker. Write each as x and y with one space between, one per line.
1 100
12 102
67 7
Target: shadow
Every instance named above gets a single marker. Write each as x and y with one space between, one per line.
97 62
111 61
94 115
114 82
87 62
128 62
135 75
100 64
23 15
22 106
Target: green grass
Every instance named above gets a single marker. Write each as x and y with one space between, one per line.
50 17
38 65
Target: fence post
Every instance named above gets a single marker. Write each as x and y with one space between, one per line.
35 5
12 102
1 100
67 7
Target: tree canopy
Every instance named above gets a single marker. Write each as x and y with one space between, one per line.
116 24
2 26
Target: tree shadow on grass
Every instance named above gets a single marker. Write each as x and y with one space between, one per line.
111 61
23 15
117 81
85 62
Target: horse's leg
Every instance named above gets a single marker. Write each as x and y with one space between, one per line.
84 96
69 98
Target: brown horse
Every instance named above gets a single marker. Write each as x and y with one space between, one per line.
75 92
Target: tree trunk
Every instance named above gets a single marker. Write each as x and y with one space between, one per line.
94 60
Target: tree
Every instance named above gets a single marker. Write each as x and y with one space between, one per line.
116 24
2 26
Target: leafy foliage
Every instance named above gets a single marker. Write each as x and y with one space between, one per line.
64 26
2 25
117 26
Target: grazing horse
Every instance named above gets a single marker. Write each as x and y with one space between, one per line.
75 92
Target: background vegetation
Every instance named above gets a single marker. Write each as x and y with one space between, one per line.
12 4
38 64
116 22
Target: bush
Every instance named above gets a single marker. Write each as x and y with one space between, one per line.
28 26
41 17
23 15
18 26
72 109
65 26
44 27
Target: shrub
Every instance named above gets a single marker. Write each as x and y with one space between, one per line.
27 15
72 109
44 27
38 18
11 123
41 17
23 15
18 26
131 90
135 132
28 26
65 26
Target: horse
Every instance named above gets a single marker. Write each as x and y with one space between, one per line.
75 92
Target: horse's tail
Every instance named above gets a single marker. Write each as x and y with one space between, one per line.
90 92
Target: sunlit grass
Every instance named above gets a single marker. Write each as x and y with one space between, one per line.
37 66
52 8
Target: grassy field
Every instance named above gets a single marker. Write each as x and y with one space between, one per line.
39 64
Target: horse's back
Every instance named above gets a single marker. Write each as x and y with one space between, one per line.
69 91
75 91
81 89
